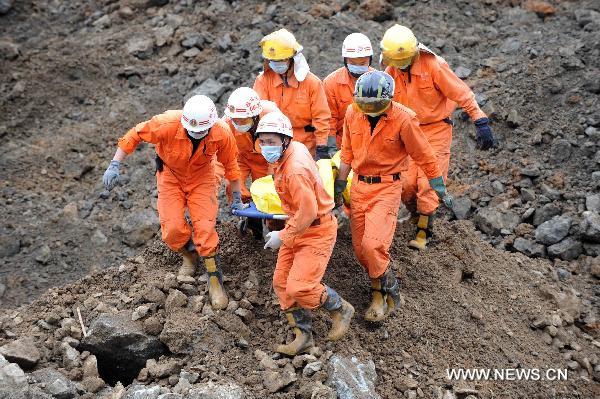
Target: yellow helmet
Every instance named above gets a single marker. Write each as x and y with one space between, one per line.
398 46
279 45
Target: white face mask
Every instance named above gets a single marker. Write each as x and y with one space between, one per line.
242 128
198 135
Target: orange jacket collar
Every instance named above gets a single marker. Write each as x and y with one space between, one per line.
292 81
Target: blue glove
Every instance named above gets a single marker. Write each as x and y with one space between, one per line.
439 187
323 152
237 204
338 189
485 137
111 176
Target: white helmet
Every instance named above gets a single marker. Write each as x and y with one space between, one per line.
356 45
275 122
244 102
199 114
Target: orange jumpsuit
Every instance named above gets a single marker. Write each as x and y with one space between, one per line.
304 103
339 88
382 152
250 159
309 234
432 92
186 180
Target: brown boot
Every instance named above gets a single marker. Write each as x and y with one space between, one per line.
376 310
300 320
190 260
424 232
341 313
216 291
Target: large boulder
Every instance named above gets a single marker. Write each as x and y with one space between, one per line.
590 226
545 213
492 221
121 346
55 383
186 332
567 249
22 351
139 227
352 379
552 231
210 87
529 248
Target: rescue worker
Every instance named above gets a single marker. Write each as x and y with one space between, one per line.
379 134
287 81
426 84
357 54
187 141
306 242
242 113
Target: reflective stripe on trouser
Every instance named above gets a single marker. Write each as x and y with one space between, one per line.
415 185
373 218
253 165
299 270
199 197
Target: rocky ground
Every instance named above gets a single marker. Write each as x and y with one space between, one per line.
76 75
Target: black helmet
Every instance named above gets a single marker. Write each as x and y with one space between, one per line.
373 92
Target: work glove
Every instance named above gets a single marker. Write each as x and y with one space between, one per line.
323 152
338 189
439 187
485 137
237 204
111 176
273 240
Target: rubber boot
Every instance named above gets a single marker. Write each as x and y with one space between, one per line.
341 313
190 260
391 289
216 291
300 321
377 309
424 232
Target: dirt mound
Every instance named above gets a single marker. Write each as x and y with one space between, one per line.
468 305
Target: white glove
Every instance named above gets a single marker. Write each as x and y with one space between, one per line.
273 240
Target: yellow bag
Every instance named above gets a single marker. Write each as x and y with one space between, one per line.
265 196
335 160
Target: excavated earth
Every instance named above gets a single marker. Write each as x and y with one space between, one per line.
511 281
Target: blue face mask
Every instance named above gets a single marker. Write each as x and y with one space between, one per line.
357 70
279 67
271 153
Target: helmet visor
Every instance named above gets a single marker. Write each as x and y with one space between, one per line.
398 62
370 105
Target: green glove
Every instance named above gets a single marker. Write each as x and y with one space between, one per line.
338 189
439 187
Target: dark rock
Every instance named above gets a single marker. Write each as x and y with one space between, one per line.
528 195
553 230
139 227
186 332
546 213
211 88
567 249
8 50
590 226
55 383
121 346
9 244
531 171
462 207
377 10
23 351
529 248
352 379
491 221
5 6
560 151
514 119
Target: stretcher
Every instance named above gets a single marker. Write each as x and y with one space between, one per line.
266 204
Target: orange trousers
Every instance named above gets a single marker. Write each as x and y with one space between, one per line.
198 195
299 269
416 192
373 218
253 165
